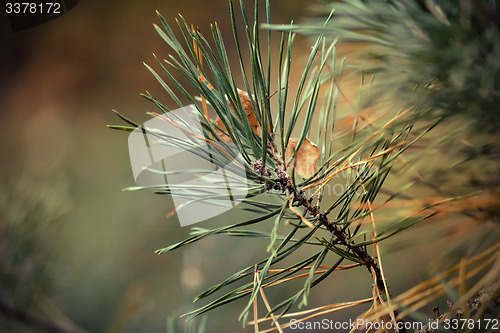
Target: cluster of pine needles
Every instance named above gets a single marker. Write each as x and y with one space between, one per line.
296 139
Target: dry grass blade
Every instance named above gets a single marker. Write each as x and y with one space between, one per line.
306 221
354 329
341 168
488 280
379 258
344 166
320 270
255 312
429 290
317 312
266 303
197 51
322 267
377 298
462 286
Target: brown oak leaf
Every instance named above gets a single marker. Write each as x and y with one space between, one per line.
252 118
305 159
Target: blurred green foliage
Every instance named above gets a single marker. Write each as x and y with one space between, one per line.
29 223
442 56
95 264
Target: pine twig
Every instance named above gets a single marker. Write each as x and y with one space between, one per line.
298 196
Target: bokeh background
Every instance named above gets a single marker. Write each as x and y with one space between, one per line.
76 251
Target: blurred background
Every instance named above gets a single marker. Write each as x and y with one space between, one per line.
76 252
75 249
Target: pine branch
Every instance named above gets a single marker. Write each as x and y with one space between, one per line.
284 183
243 118
483 301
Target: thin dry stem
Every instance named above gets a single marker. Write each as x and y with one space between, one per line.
319 271
255 312
321 311
268 307
429 290
197 51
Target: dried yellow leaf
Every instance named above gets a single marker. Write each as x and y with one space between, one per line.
305 159
249 111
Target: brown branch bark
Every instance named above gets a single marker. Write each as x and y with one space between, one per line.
483 302
284 184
